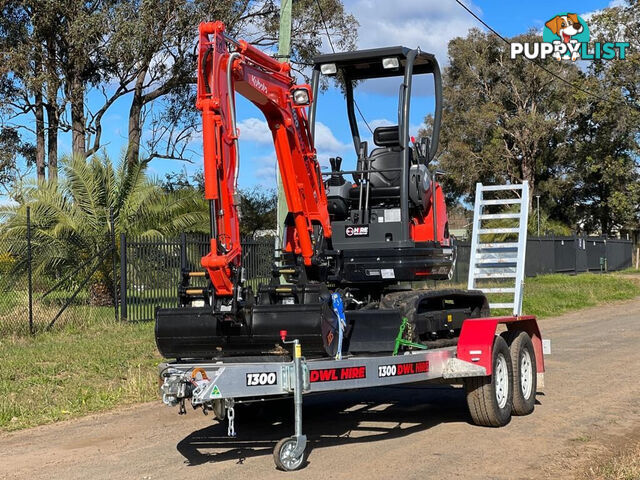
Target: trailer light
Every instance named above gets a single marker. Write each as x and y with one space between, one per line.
391 62
328 69
300 96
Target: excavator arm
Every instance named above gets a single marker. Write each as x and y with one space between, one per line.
227 66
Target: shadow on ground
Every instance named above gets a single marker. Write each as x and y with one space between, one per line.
329 419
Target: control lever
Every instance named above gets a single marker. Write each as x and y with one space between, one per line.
335 163
421 149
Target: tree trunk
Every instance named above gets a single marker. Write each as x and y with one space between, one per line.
53 120
135 119
528 174
40 146
77 91
52 136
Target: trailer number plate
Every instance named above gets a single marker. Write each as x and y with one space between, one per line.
398 369
260 379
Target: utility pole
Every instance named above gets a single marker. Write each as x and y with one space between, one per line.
284 52
538 199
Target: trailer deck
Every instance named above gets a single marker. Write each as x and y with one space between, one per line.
479 360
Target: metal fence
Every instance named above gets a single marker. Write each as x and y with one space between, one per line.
151 270
561 255
32 299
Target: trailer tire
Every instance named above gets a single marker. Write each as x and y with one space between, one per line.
490 398
523 361
282 455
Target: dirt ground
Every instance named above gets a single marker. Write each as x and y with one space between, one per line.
589 408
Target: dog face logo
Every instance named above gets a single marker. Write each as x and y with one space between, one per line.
565 26
566 37
568 29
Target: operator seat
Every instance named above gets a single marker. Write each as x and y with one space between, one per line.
387 155
385 186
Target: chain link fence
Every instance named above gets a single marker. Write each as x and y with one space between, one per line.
36 295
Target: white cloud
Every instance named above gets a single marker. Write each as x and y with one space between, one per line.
411 23
327 142
255 130
265 169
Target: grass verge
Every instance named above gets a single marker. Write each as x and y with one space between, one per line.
552 295
79 369
622 466
74 371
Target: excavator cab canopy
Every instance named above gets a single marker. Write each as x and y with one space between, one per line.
351 67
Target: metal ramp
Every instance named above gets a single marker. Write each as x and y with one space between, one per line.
499 242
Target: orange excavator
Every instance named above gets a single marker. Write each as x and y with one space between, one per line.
355 242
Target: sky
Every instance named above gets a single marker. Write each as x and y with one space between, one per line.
428 24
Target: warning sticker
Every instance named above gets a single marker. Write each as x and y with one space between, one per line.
387 273
399 369
337 374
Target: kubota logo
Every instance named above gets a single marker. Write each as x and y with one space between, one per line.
257 83
566 36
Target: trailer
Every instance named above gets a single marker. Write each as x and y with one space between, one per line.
501 372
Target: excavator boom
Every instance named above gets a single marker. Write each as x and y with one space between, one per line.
227 66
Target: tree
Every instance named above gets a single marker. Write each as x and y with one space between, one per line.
162 65
257 204
606 178
55 53
70 220
257 210
22 76
504 120
11 147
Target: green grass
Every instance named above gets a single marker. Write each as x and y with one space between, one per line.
552 295
98 364
629 271
74 371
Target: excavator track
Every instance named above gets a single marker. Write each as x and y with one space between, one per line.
436 316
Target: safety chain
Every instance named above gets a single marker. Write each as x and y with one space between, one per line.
231 414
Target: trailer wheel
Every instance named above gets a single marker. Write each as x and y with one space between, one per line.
283 455
490 398
523 361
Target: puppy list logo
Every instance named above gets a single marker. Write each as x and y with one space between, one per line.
566 36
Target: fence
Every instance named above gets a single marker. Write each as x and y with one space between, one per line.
46 281
80 290
151 270
561 255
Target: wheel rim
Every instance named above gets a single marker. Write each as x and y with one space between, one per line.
501 375
526 374
286 456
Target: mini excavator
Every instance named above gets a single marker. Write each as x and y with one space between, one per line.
354 242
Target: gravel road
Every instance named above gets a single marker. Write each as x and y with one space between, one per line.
591 405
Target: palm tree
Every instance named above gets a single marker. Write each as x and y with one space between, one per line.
70 221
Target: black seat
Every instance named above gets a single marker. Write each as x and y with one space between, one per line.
388 155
